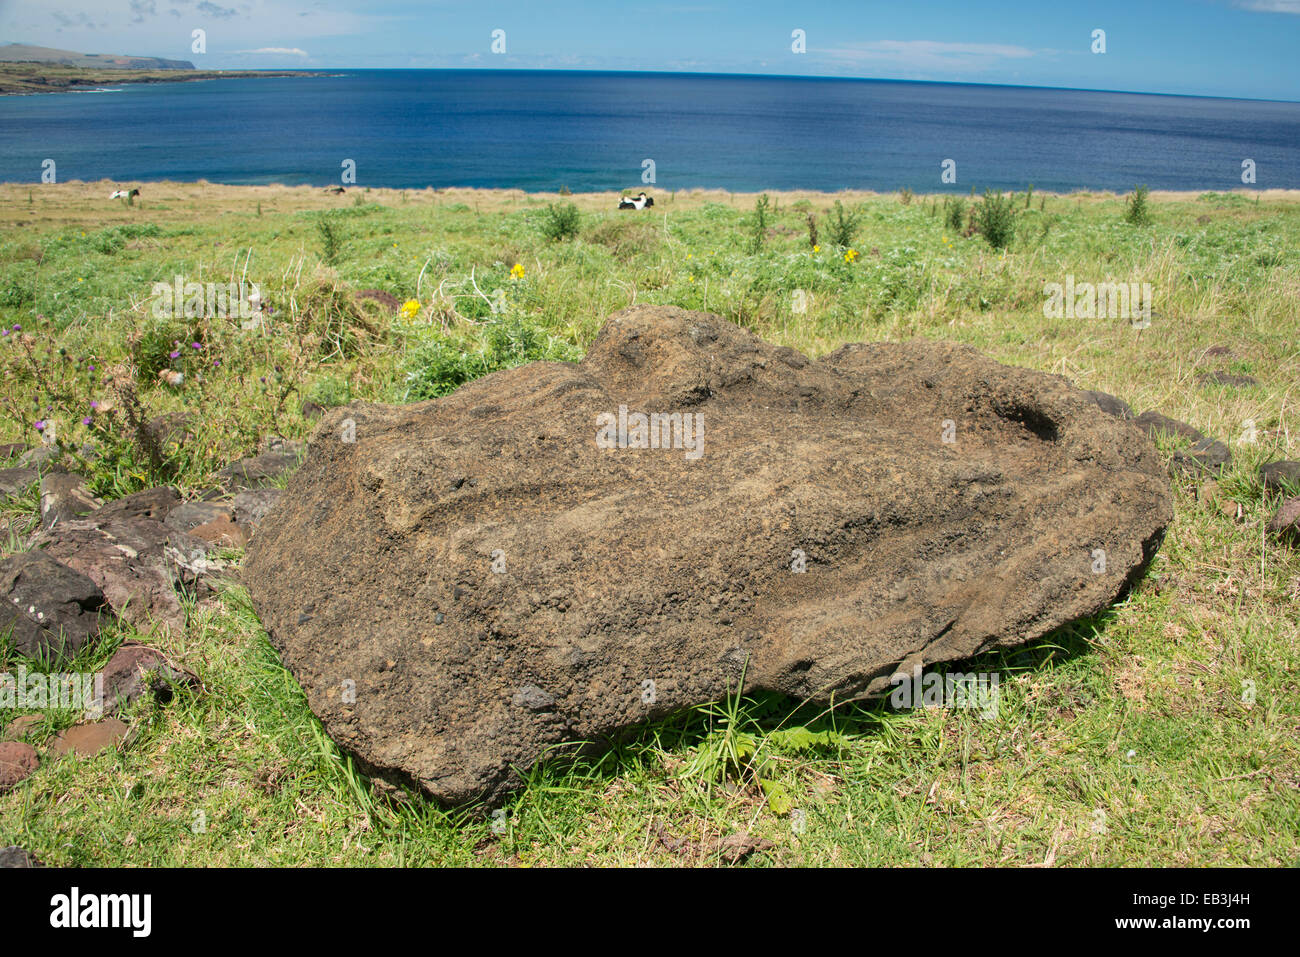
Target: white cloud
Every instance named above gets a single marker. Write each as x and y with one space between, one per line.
276 51
1270 6
163 27
934 55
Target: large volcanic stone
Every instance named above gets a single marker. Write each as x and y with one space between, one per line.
466 582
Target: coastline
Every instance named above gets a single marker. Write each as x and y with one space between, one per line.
77 193
24 79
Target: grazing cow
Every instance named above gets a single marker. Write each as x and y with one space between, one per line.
639 202
335 190
127 195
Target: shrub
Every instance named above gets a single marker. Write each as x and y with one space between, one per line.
843 224
333 322
626 238
151 350
758 225
995 218
1136 213
331 391
15 294
561 222
442 363
109 241
954 212
331 238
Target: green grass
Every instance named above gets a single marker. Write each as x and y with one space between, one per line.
1123 740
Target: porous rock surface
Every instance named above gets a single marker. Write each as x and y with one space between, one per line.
472 581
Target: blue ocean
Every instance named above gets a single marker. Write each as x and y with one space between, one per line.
543 130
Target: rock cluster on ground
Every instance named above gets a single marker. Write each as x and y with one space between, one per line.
1204 458
134 672
1204 454
90 562
135 556
473 581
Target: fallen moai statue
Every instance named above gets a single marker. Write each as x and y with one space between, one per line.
554 553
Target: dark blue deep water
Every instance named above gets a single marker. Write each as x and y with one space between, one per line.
591 131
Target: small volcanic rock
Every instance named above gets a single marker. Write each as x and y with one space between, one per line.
90 738
17 761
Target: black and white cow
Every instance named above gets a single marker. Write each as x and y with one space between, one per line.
638 202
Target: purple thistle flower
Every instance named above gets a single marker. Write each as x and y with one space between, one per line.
94 404
196 345
86 421
175 355
40 425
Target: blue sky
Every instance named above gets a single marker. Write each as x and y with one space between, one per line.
1246 48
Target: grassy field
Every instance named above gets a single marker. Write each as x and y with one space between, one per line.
1165 732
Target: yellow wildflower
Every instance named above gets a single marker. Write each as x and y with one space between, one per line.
817 249
410 308
850 255
517 270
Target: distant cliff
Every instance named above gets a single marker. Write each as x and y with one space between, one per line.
33 76
26 53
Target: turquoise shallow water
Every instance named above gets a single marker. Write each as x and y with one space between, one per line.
540 130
